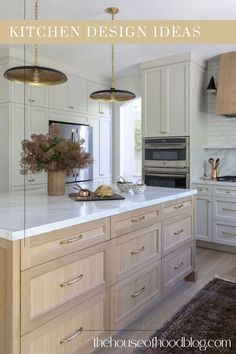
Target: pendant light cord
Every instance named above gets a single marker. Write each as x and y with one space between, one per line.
36 50
113 59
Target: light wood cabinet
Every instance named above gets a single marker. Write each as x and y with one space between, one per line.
177 265
166 100
47 287
124 223
135 250
177 231
62 288
130 296
71 332
51 245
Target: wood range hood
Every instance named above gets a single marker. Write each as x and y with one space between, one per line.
226 90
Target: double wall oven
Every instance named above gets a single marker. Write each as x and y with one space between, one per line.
166 162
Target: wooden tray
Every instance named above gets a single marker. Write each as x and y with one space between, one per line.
77 198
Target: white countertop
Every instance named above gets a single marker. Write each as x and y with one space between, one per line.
33 212
213 182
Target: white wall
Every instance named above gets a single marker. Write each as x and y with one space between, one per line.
133 84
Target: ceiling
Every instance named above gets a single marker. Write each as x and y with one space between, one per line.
96 59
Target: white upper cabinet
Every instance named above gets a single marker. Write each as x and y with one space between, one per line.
58 96
24 121
102 147
37 95
71 96
77 94
98 108
166 100
153 105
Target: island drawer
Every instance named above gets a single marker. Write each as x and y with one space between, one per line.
134 251
52 288
177 231
224 208
71 332
177 207
130 296
51 245
224 232
130 221
178 265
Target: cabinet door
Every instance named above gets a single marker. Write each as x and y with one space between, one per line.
176 99
37 95
94 106
105 109
58 96
77 94
95 123
38 121
153 105
19 129
105 147
204 218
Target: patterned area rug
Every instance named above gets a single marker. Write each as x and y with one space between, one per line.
210 315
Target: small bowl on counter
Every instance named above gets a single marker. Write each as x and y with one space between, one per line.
129 187
139 187
123 185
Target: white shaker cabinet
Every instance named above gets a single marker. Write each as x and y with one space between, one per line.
22 123
70 96
204 218
102 147
20 93
165 100
96 107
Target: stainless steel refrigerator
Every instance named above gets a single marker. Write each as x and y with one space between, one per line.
84 134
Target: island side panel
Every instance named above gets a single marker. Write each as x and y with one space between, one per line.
9 297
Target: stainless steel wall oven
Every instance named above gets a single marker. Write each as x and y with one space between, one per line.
166 162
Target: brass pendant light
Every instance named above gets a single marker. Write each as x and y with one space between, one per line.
112 94
35 75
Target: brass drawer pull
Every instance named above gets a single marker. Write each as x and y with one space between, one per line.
70 282
179 232
178 206
179 266
228 209
138 219
202 189
72 337
138 251
139 292
71 240
229 234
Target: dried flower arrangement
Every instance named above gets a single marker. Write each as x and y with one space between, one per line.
50 152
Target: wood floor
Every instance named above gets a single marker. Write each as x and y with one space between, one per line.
209 264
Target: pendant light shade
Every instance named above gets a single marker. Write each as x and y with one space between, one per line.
35 75
112 94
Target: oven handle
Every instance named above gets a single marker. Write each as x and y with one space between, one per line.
165 147
165 175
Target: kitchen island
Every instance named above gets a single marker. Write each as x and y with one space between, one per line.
71 271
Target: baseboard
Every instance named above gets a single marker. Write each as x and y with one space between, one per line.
216 246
